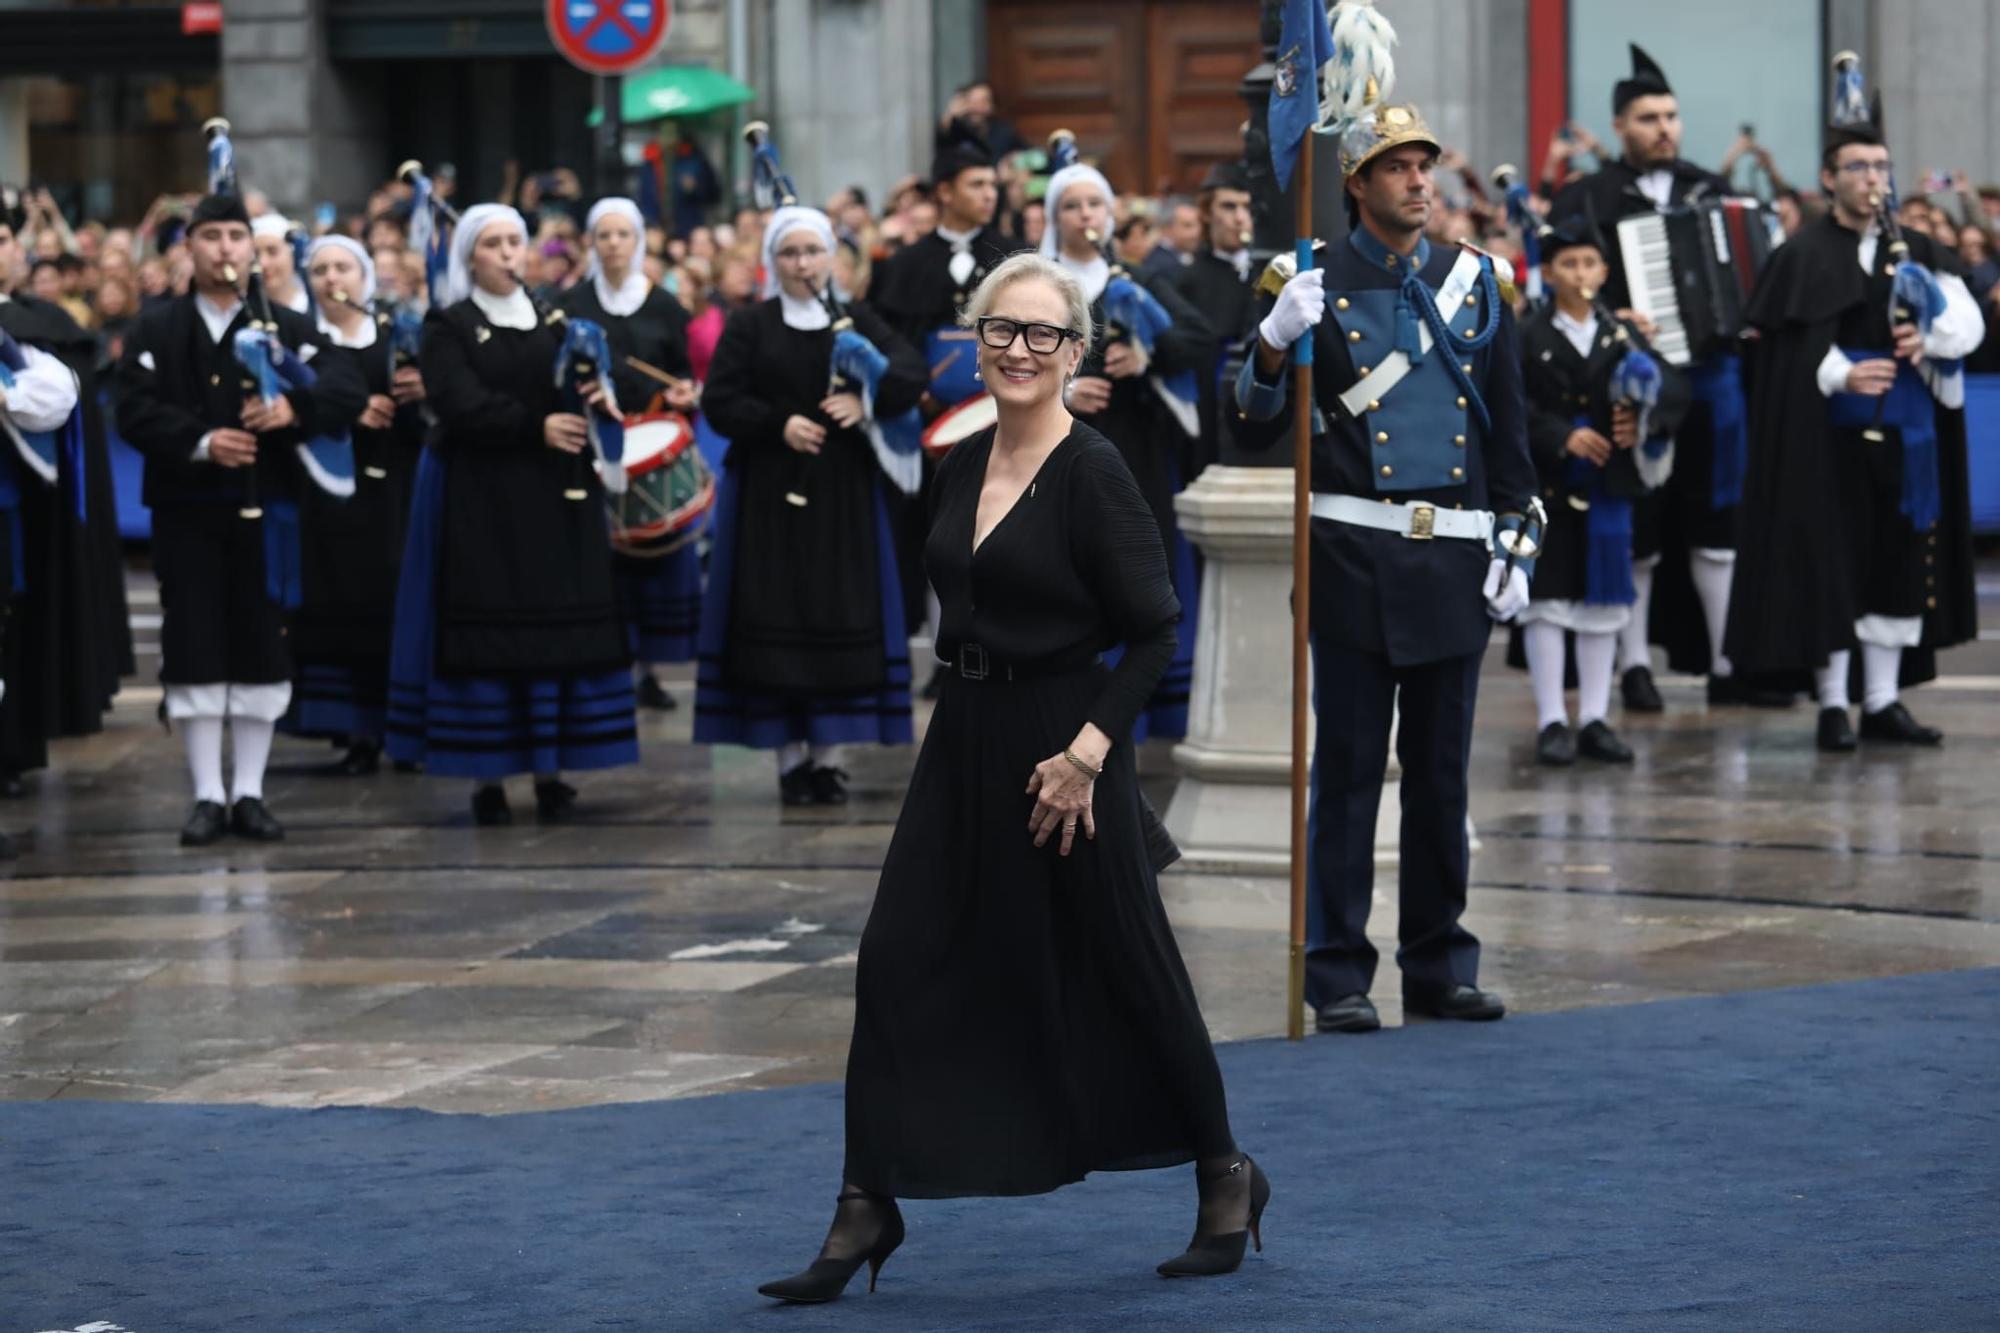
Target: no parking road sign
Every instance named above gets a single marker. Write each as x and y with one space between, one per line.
608 36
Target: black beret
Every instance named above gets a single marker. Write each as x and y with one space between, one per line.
219 208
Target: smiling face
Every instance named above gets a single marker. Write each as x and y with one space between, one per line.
1016 376
1082 212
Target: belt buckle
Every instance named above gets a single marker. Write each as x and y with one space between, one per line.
1423 522
972 662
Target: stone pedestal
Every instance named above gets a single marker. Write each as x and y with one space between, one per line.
1232 809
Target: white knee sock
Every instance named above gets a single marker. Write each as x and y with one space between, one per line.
1831 680
1633 650
251 738
1547 657
1593 676
1712 571
791 754
1880 667
829 756
203 738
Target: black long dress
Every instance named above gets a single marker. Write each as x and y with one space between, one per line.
1022 1018
350 553
659 595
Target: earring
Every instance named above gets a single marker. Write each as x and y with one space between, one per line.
976 375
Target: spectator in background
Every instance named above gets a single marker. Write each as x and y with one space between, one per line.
736 285
117 307
1034 222
1134 239
705 318
1180 236
389 286
972 105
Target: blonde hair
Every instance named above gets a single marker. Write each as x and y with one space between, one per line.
1020 268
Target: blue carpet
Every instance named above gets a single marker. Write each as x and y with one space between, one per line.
1818 1159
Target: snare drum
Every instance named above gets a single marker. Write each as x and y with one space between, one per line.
961 422
954 356
669 489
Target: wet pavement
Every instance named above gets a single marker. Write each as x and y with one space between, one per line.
688 935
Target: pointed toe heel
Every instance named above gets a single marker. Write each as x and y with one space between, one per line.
1216 1254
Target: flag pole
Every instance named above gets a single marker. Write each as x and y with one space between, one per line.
1301 601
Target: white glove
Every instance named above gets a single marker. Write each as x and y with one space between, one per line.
1301 304
1503 604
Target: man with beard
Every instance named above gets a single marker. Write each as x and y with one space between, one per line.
1693 519
1858 474
70 637
1421 477
1219 283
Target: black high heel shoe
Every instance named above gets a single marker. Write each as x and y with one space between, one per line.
1215 1254
827 1278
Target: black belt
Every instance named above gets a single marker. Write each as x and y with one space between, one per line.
972 662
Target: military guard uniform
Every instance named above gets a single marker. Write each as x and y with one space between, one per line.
1421 479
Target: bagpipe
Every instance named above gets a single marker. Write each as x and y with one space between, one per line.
1132 314
856 365
271 369
45 453
1506 179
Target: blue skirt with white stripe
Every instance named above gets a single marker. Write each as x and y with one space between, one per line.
729 716
488 727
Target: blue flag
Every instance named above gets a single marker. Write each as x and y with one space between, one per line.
1304 45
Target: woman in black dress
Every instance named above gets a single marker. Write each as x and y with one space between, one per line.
509 655
1121 390
804 644
351 548
1022 1015
661 595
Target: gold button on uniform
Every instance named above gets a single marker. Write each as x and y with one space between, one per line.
1931 602
1381 437
1365 369
1461 402
1375 405
1388 471
1465 366
1340 304
1354 335
1458 440
1471 300
1457 473
214 380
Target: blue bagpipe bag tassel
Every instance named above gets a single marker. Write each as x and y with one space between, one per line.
273 368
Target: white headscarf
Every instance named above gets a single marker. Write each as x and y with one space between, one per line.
628 296
271 224
1052 202
791 218
458 274
360 253
625 208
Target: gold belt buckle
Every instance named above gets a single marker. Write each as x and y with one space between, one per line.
1423 522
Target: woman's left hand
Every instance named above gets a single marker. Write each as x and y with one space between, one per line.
1062 791
844 409
594 399
1124 361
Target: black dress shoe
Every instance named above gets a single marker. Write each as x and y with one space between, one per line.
1349 1013
362 758
555 801
795 785
1598 741
1641 694
1555 747
249 819
206 823
654 695
1467 1003
1894 723
829 786
490 808
1836 731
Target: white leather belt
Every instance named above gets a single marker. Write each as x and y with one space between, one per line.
1418 522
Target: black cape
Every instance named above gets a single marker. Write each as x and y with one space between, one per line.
71 638
1787 613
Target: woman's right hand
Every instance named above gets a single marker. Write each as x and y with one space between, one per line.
1587 444
804 434
566 431
380 413
1089 394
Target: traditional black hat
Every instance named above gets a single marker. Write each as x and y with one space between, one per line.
1569 234
960 149
1844 132
1648 80
1226 176
219 208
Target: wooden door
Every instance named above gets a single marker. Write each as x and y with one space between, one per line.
1148 86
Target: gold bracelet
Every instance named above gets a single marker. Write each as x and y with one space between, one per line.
1085 769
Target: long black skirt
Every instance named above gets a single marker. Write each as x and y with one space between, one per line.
1021 1018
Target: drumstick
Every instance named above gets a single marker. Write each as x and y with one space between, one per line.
654 372
944 365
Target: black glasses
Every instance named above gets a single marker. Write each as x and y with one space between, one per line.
1000 334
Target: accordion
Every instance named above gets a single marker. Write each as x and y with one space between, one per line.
1691 270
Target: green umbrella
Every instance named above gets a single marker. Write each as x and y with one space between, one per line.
676 90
